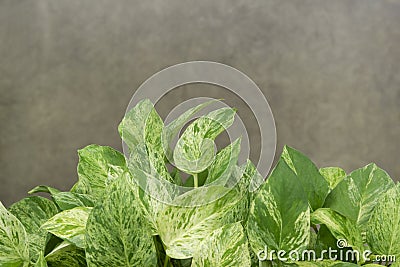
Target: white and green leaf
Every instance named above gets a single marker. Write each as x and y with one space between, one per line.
279 214
221 169
97 167
32 212
44 189
333 175
153 134
183 227
70 200
383 229
225 247
66 255
117 233
173 128
69 225
195 149
131 128
14 250
340 227
41 261
357 194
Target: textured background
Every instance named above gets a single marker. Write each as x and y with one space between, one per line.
330 70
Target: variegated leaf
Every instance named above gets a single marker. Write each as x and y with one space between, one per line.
131 128
152 134
32 212
173 128
41 261
280 215
182 228
70 200
116 232
226 246
66 200
14 251
194 151
97 167
333 175
69 225
220 170
44 189
340 227
356 195
66 255
315 186
383 230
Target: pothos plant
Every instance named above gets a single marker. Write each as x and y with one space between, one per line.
137 211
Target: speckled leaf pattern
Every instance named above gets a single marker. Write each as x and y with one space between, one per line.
32 212
333 175
69 225
195 148
131 128
66 255
44 189
280 215
226 246
97 167
117 233
152 133
14 251
224 163
41 261
315 186
173 128
383 231
339 226
183 228
70 200
356 195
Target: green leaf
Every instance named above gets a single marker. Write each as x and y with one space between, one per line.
44 189
69 200
66 200
195 150
279 214
340 227
224 163
69 225
333 175
32 212
131 128
153 132
116 232
182 228
66 255
356 195
14 251
315 186
325 240
226 246
383 229
97 167
173 128
41 261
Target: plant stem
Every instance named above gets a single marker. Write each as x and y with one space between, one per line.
196 180
166 260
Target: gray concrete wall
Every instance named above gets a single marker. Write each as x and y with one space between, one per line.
330 70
